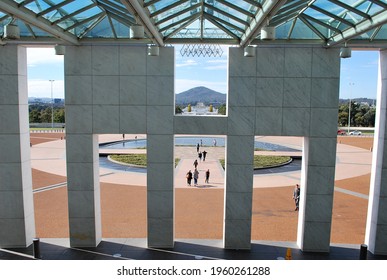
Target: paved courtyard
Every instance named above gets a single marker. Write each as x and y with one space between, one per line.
199 210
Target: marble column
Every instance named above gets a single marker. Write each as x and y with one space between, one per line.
17 222
297 95
319 153
160 148
376 226
239 151
82 148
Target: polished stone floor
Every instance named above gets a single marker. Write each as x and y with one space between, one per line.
135 249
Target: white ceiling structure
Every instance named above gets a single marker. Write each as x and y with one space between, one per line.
359 23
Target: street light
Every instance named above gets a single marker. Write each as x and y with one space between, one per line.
350 103
52 104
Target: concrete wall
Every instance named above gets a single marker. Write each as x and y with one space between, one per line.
118 90
281 91
290 91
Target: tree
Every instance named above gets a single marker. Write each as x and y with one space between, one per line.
222 109
59 115
178 109
45 115
35 116
361 115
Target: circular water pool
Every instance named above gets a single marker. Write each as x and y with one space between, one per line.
193 141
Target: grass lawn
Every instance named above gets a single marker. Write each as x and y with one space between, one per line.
265 161
134 159
45 128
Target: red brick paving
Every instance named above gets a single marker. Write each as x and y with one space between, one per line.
199 212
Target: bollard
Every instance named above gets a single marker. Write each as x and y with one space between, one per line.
36 243
363 252
288 254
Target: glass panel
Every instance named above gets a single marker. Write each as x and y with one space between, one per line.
171 11
369 8
24 31
101 30
232 11
191 31
122 31
39 33
79 17
382 34
174 19
282 31
37 6
326 19
211 31
301 31
75 6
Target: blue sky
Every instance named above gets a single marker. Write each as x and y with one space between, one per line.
358 73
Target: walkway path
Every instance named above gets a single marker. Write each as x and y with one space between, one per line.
350 161
123 196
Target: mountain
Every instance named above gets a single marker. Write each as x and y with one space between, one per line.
200 94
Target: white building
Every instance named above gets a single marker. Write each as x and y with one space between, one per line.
199 110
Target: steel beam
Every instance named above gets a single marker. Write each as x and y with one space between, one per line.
360 28
268 10
135 7
11 7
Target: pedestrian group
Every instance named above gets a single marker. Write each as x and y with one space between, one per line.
195 174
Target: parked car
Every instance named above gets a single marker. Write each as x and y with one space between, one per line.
355 132
341 132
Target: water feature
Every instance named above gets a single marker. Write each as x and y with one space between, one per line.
193 141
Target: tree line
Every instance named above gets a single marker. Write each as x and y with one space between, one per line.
42 113
362 115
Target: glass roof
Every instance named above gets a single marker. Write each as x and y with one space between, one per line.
233 22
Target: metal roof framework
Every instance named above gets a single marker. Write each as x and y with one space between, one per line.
327 23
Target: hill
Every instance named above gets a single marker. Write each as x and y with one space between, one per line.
200 94
359 100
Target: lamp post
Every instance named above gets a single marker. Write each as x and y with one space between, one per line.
52 104
350 103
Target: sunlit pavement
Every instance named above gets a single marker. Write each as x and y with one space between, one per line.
350 162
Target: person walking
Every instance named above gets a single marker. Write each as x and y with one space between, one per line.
195 164
207 176
296 196
204 155
189 177
200 156
197 148
196 177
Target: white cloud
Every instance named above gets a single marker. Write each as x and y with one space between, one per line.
42 88
220 64
188 62
42 56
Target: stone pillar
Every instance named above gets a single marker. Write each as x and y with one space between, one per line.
319 153
239 151
17 222
297 95
376 227
160 148
317 184
82 149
